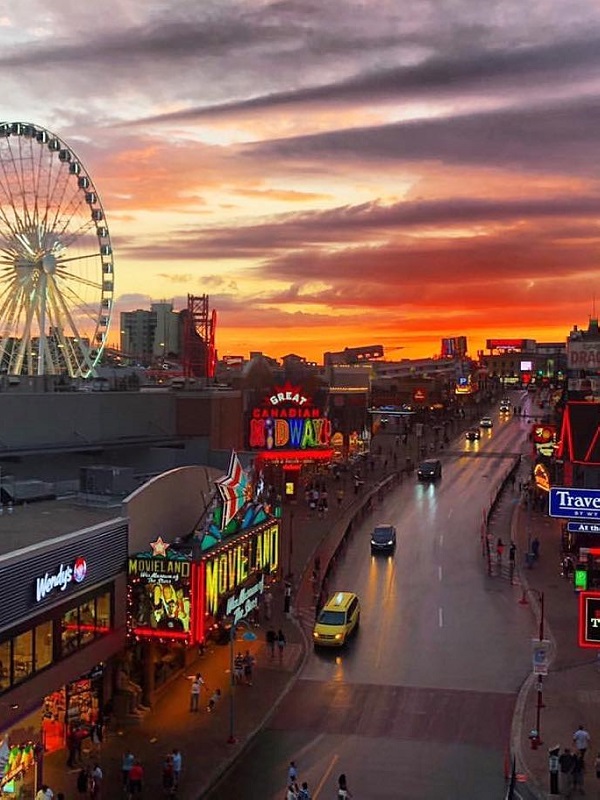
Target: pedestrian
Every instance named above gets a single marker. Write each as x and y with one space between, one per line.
578 775
196 688
136 778
73 747
248 667
292 792
287 597
271 639
168 777
499 549
238 669
597 766
535 548
513 480
280 644
127 762
44 793
268 601
566 761
83 782
340 497
343 791
582 740
214 699
177 764
512 553
304 794
292 775
96 782
553 768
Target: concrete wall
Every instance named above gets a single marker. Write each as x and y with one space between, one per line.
169 505
79 419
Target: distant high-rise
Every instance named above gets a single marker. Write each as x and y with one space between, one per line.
147 335
454 347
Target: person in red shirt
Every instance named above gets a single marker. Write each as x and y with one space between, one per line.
136 779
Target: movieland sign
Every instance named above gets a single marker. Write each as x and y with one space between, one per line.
572 503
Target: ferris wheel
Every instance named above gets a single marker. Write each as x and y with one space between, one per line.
56 263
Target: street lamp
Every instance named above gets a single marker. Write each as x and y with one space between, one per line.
536 739
248 636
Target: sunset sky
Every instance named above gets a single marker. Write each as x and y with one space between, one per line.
339 173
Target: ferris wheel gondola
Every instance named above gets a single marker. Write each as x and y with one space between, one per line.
56 261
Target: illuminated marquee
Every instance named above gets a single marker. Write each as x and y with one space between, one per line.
288 419
254 554
159 593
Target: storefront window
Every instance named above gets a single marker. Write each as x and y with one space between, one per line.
4 665
87 622
23 656
70 632
103 613
43 645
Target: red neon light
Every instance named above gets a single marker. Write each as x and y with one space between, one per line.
583 642
199 604
94 628
292 467
296 455
155 634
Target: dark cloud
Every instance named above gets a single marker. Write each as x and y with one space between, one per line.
485 71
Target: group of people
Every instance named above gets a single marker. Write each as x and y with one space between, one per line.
243 668
567 769
276 641
301 792
198 684
132 773
89 782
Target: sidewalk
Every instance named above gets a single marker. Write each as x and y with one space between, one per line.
571 691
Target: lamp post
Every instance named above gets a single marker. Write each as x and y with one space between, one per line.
535 736
248 636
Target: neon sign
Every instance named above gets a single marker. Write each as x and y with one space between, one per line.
255 553
288 419
60 579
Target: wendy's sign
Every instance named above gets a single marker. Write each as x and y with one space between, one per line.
288 418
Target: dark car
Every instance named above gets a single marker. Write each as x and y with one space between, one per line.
383 538
473 434
429 470
504 408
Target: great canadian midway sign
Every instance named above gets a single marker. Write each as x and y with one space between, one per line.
575 504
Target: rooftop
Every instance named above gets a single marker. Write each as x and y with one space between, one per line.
34 523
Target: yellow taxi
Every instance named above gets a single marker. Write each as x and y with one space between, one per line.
338 618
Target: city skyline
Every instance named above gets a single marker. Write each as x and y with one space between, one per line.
331 176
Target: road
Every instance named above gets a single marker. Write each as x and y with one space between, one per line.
419 703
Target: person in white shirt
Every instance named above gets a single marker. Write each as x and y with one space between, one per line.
44 793
582 740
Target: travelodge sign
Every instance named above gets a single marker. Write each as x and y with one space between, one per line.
572 503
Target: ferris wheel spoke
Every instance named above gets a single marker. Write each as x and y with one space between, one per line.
71 276
8 331
59 297
78 302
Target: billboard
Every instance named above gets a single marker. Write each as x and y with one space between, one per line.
570 503
159 593
583 356
506 344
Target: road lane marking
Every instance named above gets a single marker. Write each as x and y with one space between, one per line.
441 539
450 513
440 573
328 772
440 618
